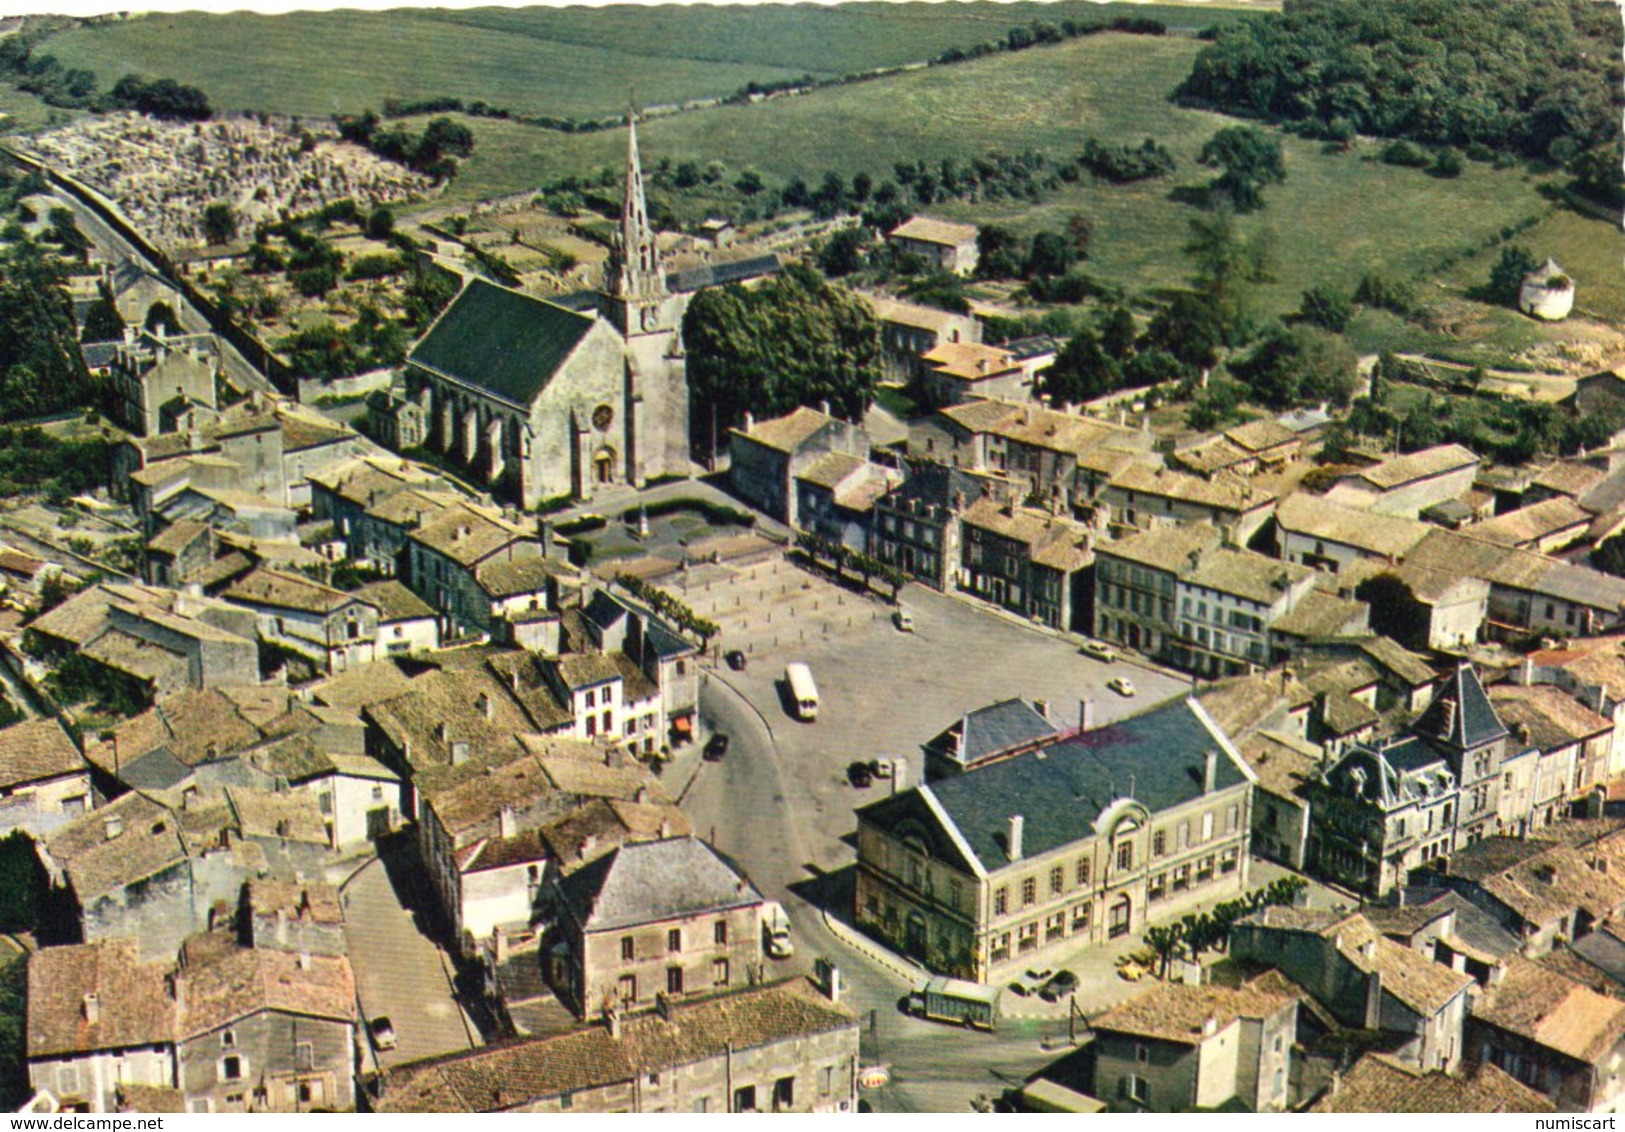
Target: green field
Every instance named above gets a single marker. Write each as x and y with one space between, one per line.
1336 217
560 62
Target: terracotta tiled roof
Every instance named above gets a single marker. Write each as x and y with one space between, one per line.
1414 466
312 900
789 432
36 750
127 840
1382 1084
930 230
1381 535
512 1075
1175 1012
1538 521
394 601
245 981
131 1002
1552 716
1558 1013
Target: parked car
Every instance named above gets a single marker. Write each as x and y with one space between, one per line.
1017 986
1098 650
736 660
881 768
860 774
1060 984
383 1032
904 620
716 747
1122 685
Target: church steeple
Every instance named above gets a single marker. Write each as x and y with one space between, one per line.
635 268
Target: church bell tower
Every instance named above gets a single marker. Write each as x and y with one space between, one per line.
637 278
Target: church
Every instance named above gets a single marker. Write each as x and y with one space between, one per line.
537 400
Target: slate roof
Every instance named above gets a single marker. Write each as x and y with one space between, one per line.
1174 1012
1460 714
654 881
999 726
1604 949
721 274
514 1074
1379 1083
1556 1012
36 750
501 341
134 1008
1061 790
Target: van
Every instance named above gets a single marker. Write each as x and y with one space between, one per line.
776 931
904 620
803 692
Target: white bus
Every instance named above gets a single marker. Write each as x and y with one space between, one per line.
803 692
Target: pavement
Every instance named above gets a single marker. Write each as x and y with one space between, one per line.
401 973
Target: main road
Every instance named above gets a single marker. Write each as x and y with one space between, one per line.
778 805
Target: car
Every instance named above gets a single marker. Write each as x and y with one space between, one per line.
881 768
1060 984
860 774
1039 975
1122 685
1131 971
716 747
1098 650
904 620
1019 987
383 1032
736 660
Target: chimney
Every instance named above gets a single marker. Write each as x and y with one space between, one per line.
612 1022
499 944
506 822
486 706
1210 1026
1041 707
177 991
642 796
663 1005
1017 822
282 925
829 978
823 407
112 827
750 421
304 960
459 752
586 845
1210 764
1086 714
93 1008
1368 949
665 828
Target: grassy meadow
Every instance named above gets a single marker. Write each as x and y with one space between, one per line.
559 62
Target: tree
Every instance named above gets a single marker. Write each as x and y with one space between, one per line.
1222 261
1506 277
1326 308
1083 370
219 223
102 322
1248 160
842 253
380 223
41 368
1609 557
1117 332
161 319
1190 329
1299 365
1165 940
1050 255
998 252
1080 233
795 340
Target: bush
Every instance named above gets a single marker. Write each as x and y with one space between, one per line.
1385 294
1406 153
1447 163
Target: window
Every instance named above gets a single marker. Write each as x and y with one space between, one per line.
1056 879
674 940
1159 843
1029 891
1204 870
784 1094
1080 917
304 1056
1228 859
719 972
1000 950
745 1099
231 1068
1207 826
1182 878
629 949
719 932
589 699
228 1039
566 1100
1027 938
826 1080
1184 834
1083 871
1125 855
1001 901
1055 927
377 793
626 988
702 1104
1141 1054
67 1079
324 803
1136 1089
1232 819
1121 917
1158 888
304 1092
674 980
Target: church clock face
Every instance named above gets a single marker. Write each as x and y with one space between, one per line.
602 417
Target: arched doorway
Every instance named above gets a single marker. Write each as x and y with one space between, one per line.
1120 921
603 466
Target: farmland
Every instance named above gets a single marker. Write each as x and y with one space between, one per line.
570 62
1336 217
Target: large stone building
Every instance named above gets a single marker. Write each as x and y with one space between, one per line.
1086 836
539 401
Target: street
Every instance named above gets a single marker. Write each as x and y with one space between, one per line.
780 805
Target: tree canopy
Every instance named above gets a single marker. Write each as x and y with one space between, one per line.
41 369
1299 365
1247 159
1540 79
794 340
